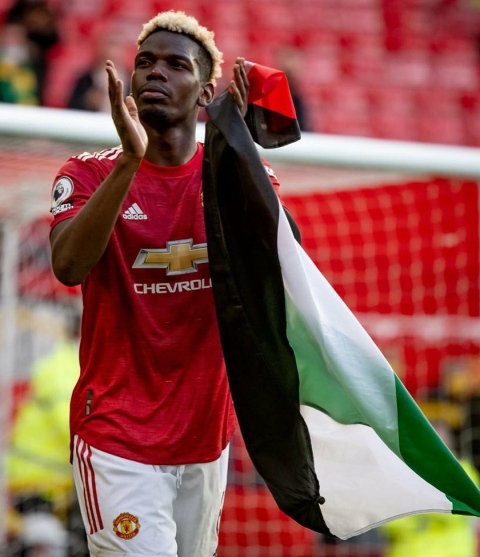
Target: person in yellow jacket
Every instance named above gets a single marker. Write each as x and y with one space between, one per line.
436 534
38 470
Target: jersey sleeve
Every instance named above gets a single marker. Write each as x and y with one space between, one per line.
273 178
276 185
74 184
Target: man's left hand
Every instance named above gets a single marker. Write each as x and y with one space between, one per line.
239 85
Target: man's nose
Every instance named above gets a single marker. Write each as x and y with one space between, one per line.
157 71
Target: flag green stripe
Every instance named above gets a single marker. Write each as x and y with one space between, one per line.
343 373
416 441
334 375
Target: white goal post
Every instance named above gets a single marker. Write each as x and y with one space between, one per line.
331 150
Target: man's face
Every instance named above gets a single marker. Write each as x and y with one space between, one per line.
166 83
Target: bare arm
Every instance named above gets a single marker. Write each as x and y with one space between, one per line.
78 243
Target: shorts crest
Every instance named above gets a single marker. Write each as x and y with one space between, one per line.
126 526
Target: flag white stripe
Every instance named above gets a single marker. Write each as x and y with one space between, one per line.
363 482
336 339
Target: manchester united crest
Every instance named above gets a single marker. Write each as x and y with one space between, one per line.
126 526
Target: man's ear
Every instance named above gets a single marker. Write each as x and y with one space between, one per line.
206 95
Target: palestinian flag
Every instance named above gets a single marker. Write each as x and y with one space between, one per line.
338 440
270 116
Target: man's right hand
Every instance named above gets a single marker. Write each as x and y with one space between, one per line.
125 116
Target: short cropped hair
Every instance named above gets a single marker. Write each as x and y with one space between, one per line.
179 22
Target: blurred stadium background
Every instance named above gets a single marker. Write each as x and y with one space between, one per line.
400 244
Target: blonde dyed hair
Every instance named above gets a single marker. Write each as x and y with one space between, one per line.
180 22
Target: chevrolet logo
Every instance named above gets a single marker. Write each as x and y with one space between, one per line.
179 258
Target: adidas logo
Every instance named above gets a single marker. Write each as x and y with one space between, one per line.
134 213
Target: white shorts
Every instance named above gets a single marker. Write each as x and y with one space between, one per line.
140 510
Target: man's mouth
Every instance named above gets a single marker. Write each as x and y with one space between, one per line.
153 93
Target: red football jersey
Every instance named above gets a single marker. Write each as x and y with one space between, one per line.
153 386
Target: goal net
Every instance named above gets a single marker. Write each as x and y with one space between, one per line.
393 227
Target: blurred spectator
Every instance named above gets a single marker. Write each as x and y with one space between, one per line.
289 62
38 470
18 82
90 91
40 24
436 534
462 382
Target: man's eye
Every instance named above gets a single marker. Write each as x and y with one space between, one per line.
142 62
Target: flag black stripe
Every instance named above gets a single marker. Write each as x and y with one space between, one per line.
241 214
